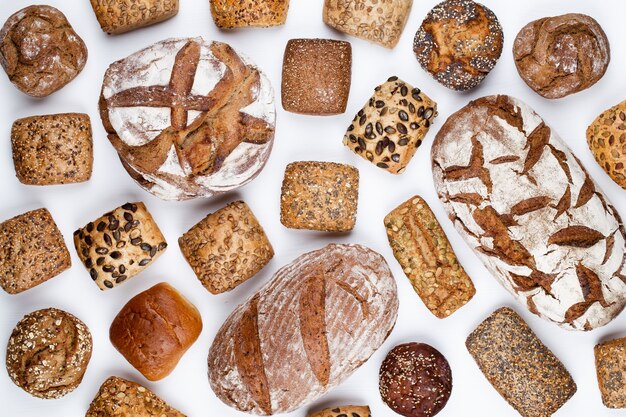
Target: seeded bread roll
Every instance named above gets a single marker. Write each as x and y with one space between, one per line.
52 149
119 397
415 380
381 22
459 43
561 55
119 16
606 138
344 411
319 196
422 249
32 251
391 126
229 14
521 368
611 371
163 325
48 353
226 248
119 245
316 76
40 51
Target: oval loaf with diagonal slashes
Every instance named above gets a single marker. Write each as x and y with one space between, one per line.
533 215
315 323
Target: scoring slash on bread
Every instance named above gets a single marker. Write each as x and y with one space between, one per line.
532 213
307 330
188 117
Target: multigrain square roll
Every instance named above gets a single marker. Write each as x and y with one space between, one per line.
427 258
32 251
519 366
52 149
319 196
226 248
122 398
120 244
230 14
346 410
316 76
611 372
119 16
391 126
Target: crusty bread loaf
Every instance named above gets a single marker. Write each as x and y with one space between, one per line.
532 213
315 323
120 16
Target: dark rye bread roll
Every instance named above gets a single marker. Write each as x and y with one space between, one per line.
531 212
315 323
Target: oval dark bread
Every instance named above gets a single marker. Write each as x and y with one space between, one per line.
532 213
308 329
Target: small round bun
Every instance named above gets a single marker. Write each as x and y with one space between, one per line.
459 43
415 380
48 353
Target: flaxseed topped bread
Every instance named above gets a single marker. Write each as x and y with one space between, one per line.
188 117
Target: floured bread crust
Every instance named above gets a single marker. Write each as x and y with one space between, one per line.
189 118
532 213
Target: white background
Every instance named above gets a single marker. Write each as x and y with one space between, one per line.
297 138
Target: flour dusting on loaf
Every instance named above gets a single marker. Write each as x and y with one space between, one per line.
532 213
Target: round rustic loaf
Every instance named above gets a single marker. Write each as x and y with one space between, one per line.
40 51
562 55
606 138
48 353
459 43
189 118
415 380
307 330
531 212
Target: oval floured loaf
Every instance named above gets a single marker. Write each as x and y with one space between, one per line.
531 212
315 323
188 117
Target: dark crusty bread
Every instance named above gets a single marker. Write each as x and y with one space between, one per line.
119 16
611 372
226 248
40 51
52 149
119 397
155 329
32 251
521 368
229 14
316 78
344 411
48 353
308 329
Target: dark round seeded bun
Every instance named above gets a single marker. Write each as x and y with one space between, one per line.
415 380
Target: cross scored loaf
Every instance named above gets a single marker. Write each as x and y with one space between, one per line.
532 213
189 118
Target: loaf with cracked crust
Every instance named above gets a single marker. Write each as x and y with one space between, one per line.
120 16
163 325
532 213
306 331
229 14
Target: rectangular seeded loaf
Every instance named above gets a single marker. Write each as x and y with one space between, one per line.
315 323
531 212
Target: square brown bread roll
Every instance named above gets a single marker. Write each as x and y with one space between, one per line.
316 76
32 251
229 14
226 248
163 325
52 149
347 411
427 258
119 16
319 196
381 22
611 372
519 366
120 244
119 397
391 126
